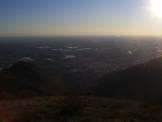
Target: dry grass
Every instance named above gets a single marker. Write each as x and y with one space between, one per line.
78 109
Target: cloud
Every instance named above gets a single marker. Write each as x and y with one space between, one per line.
26 59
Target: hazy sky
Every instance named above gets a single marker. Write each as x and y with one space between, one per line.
77 17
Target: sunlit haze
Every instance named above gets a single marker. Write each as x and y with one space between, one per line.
155 7
80 17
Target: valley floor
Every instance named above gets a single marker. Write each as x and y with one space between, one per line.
78 109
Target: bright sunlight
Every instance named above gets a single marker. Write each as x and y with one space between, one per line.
156 8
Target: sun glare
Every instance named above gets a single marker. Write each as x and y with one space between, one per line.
156 8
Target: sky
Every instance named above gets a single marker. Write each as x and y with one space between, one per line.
77 17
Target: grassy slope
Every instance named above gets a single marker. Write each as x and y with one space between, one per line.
82 109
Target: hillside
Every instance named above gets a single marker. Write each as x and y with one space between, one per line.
25 79
29 93
143 80
80 109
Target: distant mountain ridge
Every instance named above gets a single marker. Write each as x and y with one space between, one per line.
142 80
21 78
27 79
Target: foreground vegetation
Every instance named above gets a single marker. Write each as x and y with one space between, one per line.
78 109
